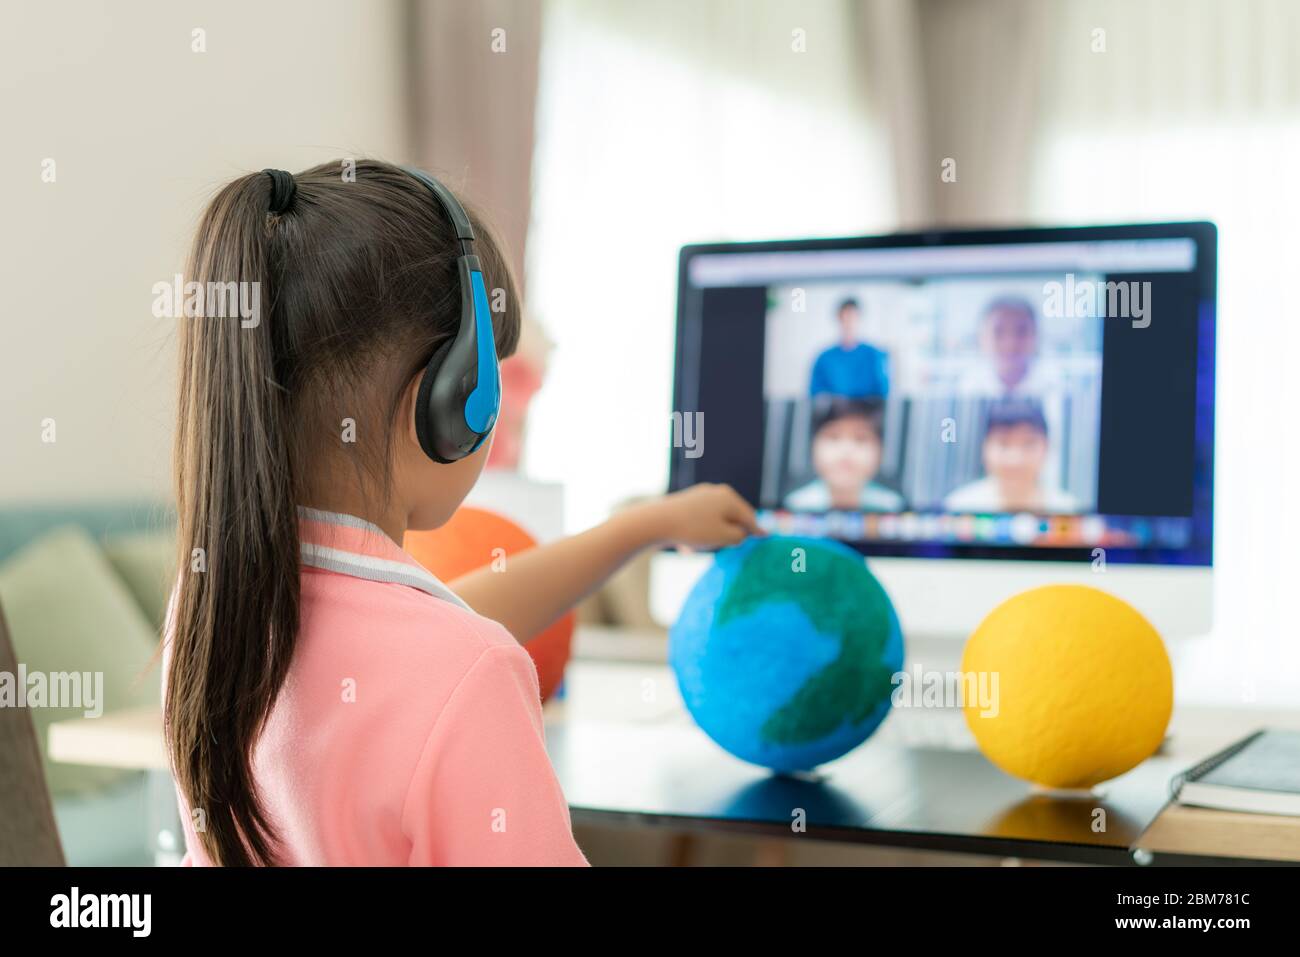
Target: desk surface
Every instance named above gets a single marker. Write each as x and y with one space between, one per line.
626 752
130 739
881 793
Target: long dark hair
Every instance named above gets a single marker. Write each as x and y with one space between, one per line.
357 288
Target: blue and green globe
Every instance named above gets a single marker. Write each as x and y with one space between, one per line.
785 652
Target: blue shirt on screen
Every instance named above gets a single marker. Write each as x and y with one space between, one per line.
859 373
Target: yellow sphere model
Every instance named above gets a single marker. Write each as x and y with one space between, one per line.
1084 688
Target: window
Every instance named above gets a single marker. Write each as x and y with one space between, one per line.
658 125
1236 174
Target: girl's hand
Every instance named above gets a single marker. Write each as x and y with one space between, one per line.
545 582
702 516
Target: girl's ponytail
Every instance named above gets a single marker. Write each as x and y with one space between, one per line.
236 610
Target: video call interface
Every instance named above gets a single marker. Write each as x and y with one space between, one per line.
980 397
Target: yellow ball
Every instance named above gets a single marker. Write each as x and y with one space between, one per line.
1084 686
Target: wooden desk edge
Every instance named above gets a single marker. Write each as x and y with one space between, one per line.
136 743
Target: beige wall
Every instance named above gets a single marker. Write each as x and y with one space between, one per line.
142 130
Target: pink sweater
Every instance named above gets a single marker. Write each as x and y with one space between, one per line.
409 730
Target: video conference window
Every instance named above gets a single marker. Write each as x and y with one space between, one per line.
994 397
944 394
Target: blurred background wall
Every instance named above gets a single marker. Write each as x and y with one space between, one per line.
141 129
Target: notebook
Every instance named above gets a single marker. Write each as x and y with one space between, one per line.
1258 775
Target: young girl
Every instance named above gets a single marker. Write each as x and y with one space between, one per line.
327 700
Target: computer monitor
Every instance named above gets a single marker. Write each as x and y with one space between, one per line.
976 411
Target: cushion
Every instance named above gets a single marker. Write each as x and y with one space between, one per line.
146 563
68 611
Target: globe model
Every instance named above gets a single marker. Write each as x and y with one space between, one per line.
785 652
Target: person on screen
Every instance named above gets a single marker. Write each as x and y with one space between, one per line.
1014 452
1008 341
851 367
846 453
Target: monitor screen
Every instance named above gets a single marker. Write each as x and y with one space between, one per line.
1020 394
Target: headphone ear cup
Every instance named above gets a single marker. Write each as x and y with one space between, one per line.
426 417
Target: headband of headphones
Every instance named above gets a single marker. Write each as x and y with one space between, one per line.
460 392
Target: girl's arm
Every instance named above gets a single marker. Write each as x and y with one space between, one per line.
538 586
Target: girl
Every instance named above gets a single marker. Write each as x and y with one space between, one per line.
328 701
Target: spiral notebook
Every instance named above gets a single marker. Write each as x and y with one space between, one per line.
1259 774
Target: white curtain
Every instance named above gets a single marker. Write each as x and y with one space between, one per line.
957 82
1193 111
659 124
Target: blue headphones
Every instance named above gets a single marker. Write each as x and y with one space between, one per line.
460 393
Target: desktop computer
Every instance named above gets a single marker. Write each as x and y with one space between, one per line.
976 411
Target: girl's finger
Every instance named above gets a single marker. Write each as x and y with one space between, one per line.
745 516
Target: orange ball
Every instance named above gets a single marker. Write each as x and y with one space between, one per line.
469 541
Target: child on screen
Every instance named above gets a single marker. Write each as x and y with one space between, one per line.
1014 453
846 453
327 700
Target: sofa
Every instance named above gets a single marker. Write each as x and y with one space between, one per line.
84 587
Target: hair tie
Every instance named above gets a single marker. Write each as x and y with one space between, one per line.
283 189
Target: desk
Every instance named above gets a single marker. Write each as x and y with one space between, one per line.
627 754
882 793
917 783
129 739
